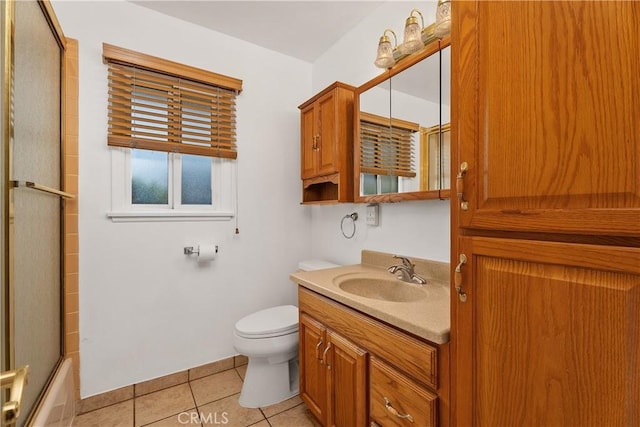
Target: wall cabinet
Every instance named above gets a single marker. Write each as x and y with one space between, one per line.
557 148
357 371
326 149
546 227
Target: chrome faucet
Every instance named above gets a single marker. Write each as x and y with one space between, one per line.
406 271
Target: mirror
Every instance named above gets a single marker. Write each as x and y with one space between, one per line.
402 129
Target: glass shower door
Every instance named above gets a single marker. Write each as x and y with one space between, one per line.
34 216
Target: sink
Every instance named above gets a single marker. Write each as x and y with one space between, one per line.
379 287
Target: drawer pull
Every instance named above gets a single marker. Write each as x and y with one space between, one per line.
324 356
457 278
464 205
391 409
318 350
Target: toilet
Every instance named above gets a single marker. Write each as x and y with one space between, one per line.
269 338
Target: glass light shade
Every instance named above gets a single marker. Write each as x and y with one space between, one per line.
443 19
384 59
412 37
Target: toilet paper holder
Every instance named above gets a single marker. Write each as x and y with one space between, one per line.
189 250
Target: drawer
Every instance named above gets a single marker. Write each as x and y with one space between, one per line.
396 400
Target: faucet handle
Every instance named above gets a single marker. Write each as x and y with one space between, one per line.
405 261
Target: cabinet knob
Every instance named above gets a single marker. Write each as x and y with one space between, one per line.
464 205
315 145
457 278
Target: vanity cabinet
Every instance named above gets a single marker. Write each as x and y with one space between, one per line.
358 371
332 375
326 149
546 226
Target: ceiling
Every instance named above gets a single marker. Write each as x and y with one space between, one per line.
302 29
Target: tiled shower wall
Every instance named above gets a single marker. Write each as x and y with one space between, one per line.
70 219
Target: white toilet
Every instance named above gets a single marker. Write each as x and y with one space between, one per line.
269 338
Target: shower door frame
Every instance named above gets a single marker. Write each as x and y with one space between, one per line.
7 359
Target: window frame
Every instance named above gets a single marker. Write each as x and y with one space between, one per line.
223 192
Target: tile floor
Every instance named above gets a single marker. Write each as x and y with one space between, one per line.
210 400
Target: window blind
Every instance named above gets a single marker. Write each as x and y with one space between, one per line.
158 108
386 146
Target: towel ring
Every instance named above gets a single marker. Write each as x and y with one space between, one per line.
354 218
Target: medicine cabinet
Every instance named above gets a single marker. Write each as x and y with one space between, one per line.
401 122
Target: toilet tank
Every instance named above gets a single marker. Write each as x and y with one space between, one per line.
315 264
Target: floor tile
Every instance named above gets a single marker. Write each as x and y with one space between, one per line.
228 411
217 386
240 360
120 414
211 368
272 410
183 419
162 404
104 399
263 423
242 370
298 416
161 383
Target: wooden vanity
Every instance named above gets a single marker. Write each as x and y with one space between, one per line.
356 370
358 367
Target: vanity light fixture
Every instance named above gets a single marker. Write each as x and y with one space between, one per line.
384 58
412 34
443 19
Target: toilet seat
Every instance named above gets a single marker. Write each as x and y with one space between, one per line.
270 322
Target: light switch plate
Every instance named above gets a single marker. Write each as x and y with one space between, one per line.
372 214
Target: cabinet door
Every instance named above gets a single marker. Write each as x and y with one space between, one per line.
549 334
547 115
327 143
309 136
347 369
313 375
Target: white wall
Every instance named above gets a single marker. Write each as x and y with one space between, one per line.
146 309
419 229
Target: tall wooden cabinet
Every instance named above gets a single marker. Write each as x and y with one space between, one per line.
546 222
326 149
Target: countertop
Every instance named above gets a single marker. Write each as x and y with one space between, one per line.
428 317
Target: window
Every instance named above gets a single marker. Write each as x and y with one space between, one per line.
173 138
386 153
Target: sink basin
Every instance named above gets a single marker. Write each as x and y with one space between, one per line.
379 287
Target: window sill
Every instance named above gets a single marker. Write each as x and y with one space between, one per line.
157 216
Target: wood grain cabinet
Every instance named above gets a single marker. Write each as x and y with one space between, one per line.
333 375
327 145
356 371
546 225
398 400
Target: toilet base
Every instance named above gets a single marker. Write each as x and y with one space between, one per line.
266 383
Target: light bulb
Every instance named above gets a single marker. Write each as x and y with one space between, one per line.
443 19
384 59
412 37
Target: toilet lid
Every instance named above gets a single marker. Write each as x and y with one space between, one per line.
272 321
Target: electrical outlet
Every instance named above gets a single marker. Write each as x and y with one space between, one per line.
372 214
